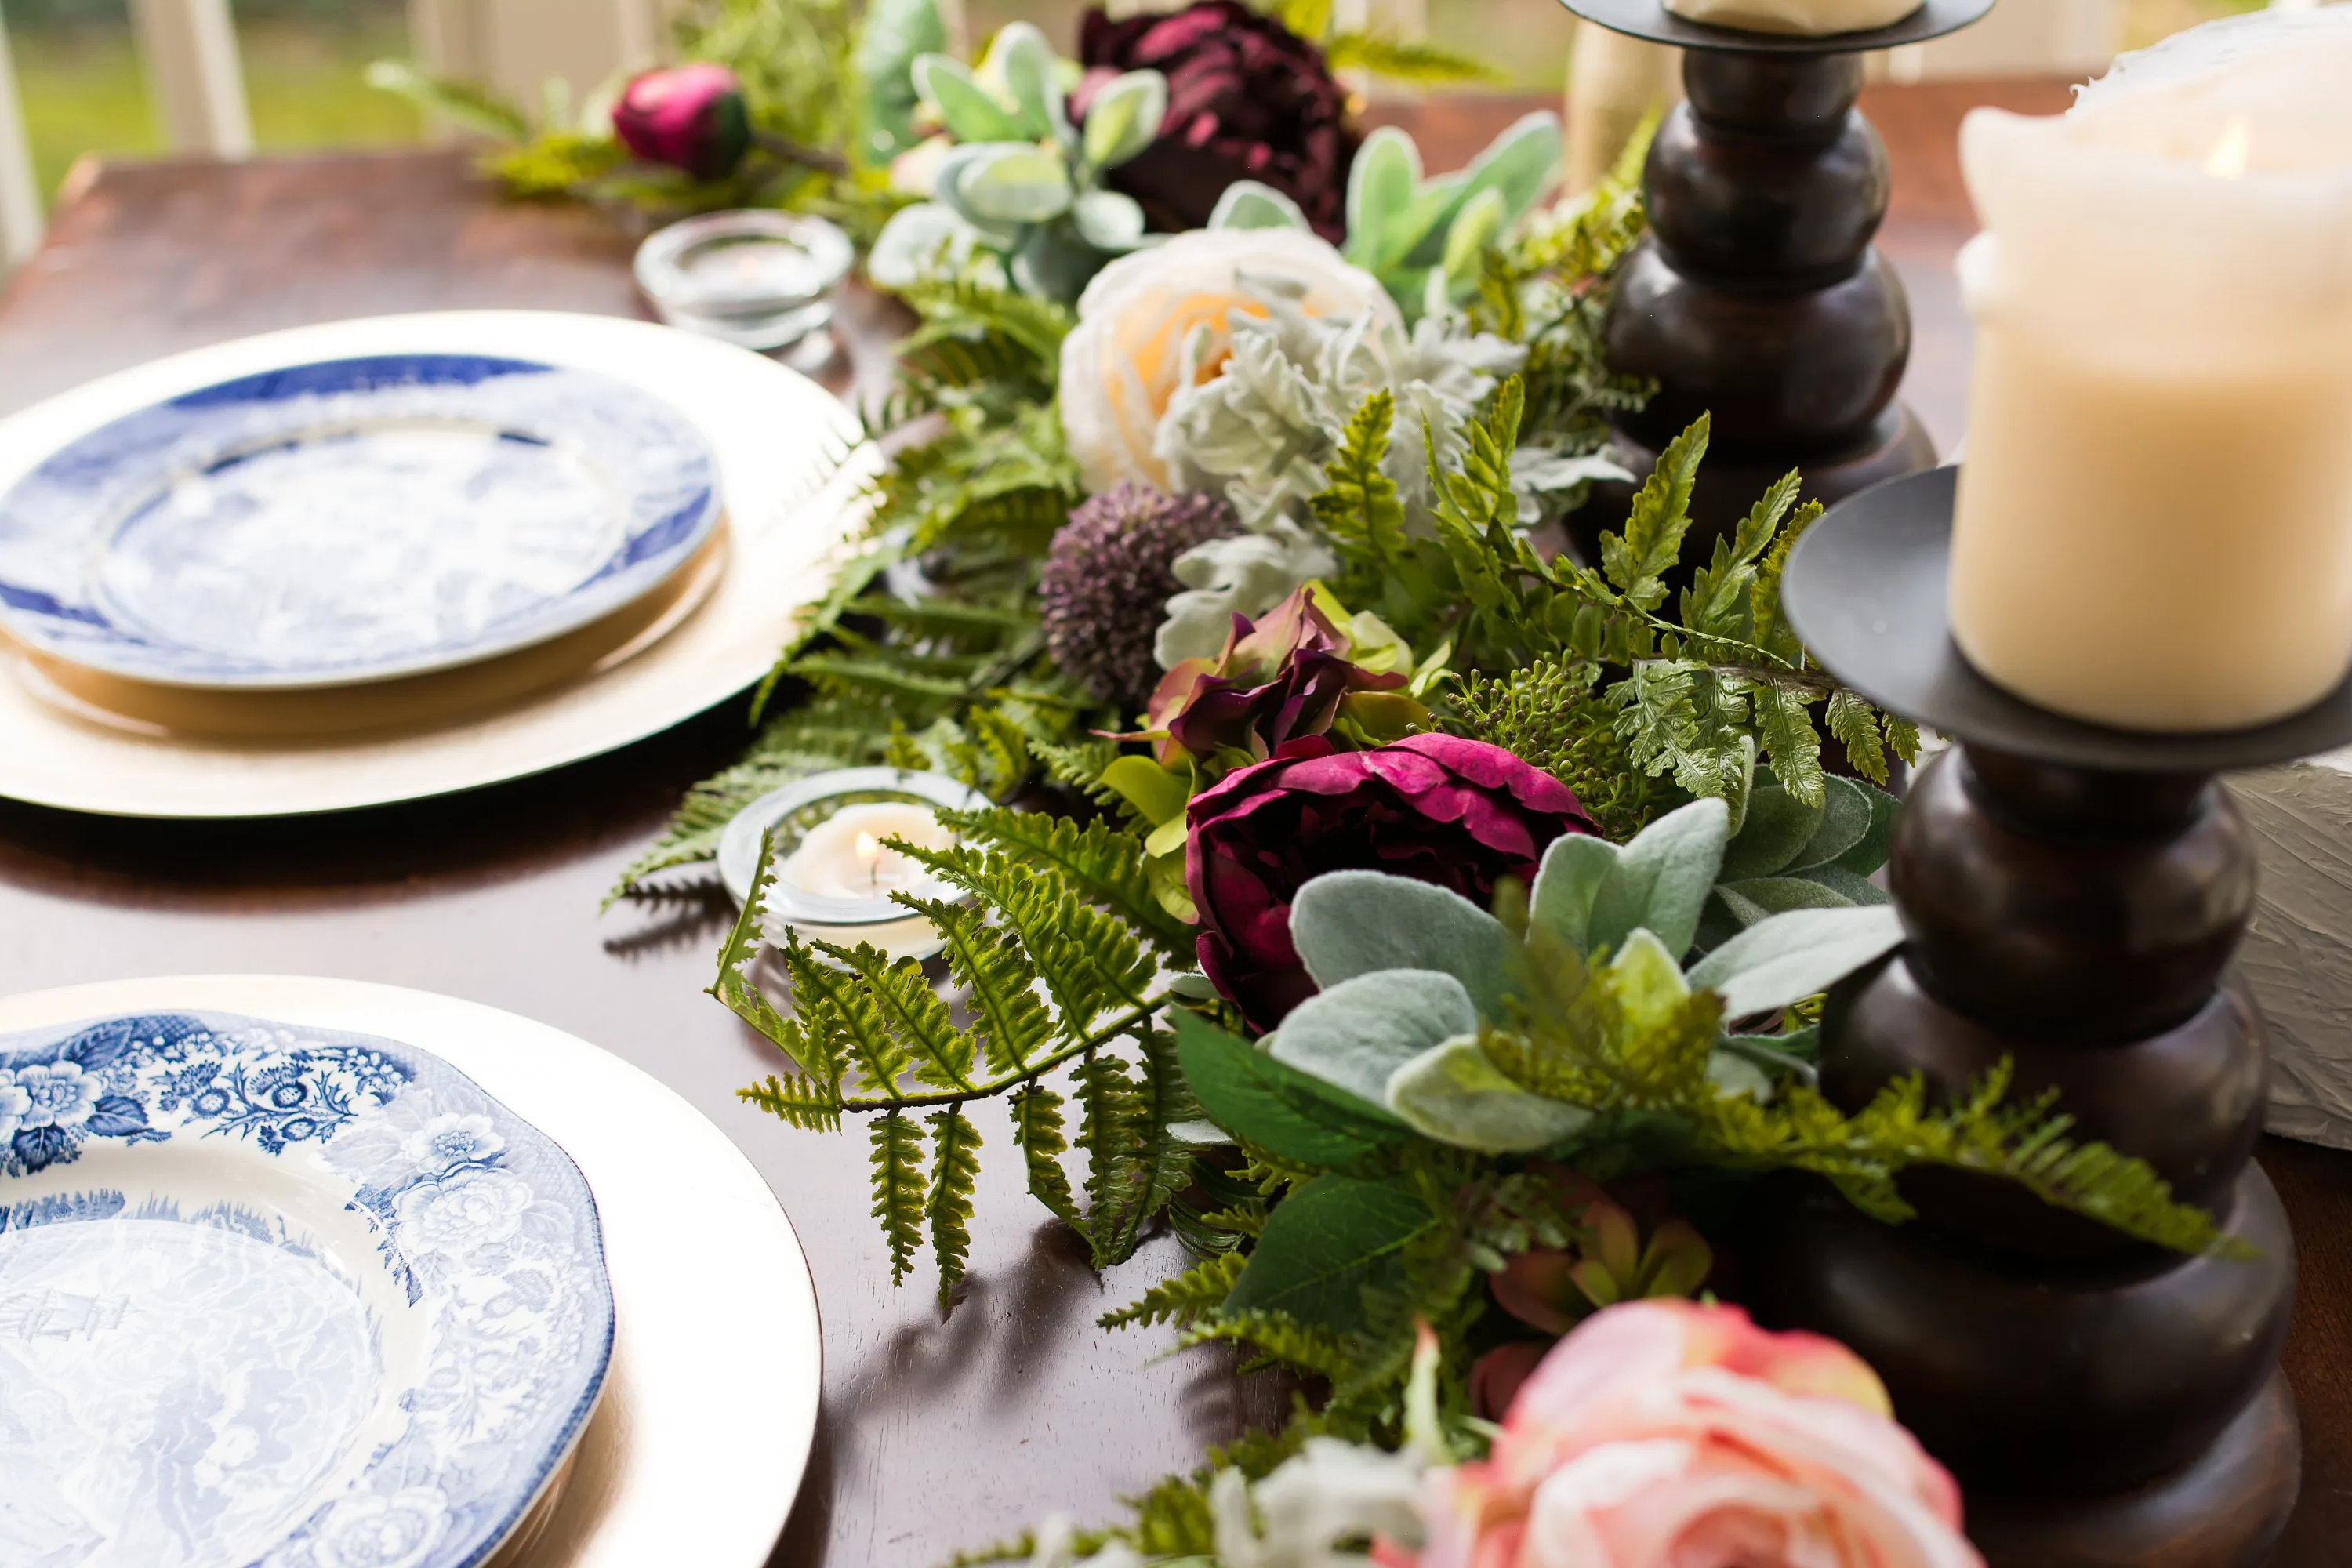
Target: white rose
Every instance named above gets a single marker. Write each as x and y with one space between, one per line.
1812 17
1123 362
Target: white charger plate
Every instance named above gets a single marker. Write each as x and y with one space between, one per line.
790 503
696 1450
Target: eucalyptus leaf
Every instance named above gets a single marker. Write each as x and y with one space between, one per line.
1792 956
1569 880
1661 879
1109 220
1013 183
1347 923
1852 888
1282 1111
1022 57
1323 1244
1381 186
971 115
1453 1093
1246 204
1357 1033
1123 118
1778 895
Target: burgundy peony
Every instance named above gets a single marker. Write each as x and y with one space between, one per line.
689 117
1247 100
1461 814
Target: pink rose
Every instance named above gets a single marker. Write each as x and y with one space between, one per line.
1667 1435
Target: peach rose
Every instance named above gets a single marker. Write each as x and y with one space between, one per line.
1126 356
1668 1434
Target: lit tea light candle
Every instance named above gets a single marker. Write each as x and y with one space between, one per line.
2154 519
1810 18
837 839
759 279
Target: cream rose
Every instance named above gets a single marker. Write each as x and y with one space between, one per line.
1664 1433
1125 358
1810 17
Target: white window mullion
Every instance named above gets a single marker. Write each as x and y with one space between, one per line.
188 51
20 191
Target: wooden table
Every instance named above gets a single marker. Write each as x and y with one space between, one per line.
940 1433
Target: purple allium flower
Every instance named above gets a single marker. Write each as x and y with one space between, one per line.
1108 580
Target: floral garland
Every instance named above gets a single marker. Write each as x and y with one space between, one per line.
1430 929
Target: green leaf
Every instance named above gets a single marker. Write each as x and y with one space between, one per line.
1847 816
1101 864
1854 724
1358 1032
971 115
1009 184
1380 185
1474 229
1191 1295
955 1166
1323 1245
1772 633
1349 923
1661 880
899 1189
1791 742
1012 1020
1413 60
1567 885
1869 851
1310 19
1777 829
1453 1093
1022 57
463 104
1756 898
1792 956
1360 503
1287 1113
1158 793
1246 204
1123 118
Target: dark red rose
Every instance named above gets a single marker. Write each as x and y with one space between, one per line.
689 117
1247 100
1494 1377
1461 814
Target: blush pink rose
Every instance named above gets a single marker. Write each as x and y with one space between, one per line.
1668 1434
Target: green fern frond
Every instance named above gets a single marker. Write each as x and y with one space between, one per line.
1276 1337
1112 1128
1037 1127
1361 504
899 1189
955 1167
796 1102
1637 560
1000 980
1853 725
1413 60
899 999
1194 1294
1103 865
848 1011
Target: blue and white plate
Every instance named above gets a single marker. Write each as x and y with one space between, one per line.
352 519
279 1297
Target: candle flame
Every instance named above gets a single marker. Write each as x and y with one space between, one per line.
2228 160
869 848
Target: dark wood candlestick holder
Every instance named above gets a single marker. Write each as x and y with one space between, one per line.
1756 295
2071 896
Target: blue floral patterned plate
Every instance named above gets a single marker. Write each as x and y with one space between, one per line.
354 520
279 1297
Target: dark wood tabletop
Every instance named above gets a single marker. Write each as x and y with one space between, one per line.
940 1433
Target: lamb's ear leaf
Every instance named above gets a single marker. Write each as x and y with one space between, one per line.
1847 816
1661 879
1360 1031
1568 883
1247 203
971 115
1647 979
1281 1110
1792 956
1777 827
1347 923
1869 852
1453 1093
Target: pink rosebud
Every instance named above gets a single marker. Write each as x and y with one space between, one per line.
1663 1433
689 117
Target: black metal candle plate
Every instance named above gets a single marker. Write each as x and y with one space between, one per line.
1649 19
1865 591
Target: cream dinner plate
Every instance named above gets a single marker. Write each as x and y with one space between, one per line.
86 741
709 1402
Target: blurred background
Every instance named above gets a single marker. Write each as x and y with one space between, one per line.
84 88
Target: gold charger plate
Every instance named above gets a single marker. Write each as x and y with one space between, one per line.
84 741
698 1445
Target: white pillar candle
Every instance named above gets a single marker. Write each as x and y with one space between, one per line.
1811 18
2154 519
848 856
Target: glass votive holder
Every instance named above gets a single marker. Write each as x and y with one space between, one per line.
835 872
760 279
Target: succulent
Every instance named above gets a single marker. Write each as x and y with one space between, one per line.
1110 568
1021 182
